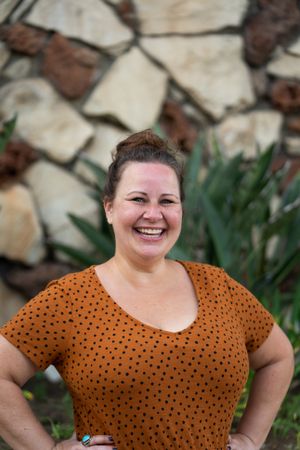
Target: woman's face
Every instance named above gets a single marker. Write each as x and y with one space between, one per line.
146 212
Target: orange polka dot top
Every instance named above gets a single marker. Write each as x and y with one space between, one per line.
148 388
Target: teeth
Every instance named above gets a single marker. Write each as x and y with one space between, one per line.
152 231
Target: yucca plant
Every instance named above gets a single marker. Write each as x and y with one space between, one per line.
228 215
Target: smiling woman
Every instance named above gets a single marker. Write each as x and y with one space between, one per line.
155 352
145 212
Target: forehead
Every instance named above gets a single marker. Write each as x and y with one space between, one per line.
148 173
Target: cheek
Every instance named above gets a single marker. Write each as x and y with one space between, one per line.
176 218
126 216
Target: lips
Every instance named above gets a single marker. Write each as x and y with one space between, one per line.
152 232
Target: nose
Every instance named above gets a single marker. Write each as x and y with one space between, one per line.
153 212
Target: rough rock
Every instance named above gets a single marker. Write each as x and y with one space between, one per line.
56 194
177 126
244 132
91 21
21 236
188 16
32 280
260 82
6 6
285 95
132 91
292 145
10 303
293 168
267 28
13 162
18 69
294 49
210 69
4 55
23 39
126 11
293 124
64 69
286 66
100 149
45 121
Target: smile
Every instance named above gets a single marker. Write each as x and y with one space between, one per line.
150 231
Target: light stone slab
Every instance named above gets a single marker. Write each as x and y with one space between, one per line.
292 144
21 236
4 55
210 69
100 149
10 302
295 48
91 21
6 7
57 193
246 132
18 69
287 66
188 16
132 91
45 120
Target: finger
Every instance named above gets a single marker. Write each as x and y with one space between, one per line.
101 439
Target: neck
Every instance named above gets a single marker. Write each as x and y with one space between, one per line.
138 272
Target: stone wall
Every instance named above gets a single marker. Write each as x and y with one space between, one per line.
81 75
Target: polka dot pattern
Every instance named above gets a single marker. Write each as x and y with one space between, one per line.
150 389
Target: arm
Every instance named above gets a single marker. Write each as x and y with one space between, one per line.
19 427
273 364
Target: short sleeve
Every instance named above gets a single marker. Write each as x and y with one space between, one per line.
41 328
255 320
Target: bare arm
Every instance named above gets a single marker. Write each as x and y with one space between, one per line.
19 426
273 364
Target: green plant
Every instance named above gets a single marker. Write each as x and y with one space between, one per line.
289 418
6 132
60 431
229 213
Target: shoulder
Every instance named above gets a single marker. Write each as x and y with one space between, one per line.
204 269
74 279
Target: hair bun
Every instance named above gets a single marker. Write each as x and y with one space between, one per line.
144 138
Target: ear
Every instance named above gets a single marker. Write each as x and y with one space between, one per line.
108 207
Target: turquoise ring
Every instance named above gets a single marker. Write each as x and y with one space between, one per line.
86 440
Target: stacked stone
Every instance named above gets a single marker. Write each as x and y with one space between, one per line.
82 75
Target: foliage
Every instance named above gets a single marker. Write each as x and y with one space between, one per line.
229 212
6 132
289 418
60 431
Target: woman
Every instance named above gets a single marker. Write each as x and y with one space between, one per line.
154 352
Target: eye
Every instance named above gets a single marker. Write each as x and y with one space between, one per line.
138 199
166 201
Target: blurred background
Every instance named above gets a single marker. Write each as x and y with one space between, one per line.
220 79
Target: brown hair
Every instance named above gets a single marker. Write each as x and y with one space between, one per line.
144 146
